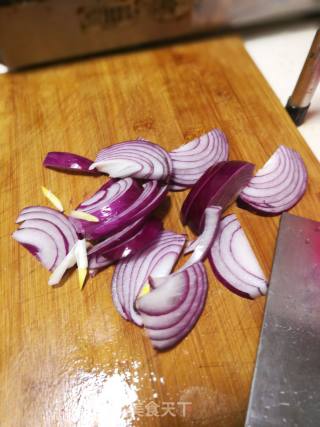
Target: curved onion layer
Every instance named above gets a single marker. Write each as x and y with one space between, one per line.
138 159
234 262
97 263
110 200
146 234
40 244
220 185
111 219
170 311
176 187
51 216
69 162
191 160
53 231
201 246
279 184
131 274
117 238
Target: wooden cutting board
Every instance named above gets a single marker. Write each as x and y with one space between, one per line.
67 357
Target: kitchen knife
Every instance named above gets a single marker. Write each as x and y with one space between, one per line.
286 384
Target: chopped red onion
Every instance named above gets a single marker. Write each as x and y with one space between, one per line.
201 246
69 162
138 159
172 308
53 231
234 262
98 263
131 274
40 244
53 216
220 185
117 219
191 160
176 187
128 205
279 185
109 201
149 231
118 237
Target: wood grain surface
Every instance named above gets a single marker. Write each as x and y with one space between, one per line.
67 357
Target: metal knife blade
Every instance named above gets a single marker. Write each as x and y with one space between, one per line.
286 384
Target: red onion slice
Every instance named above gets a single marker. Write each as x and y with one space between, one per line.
138 159
153 193
118 237
69 162
98 263
54 217
220 185
201 246
279 184
191 160
146 234
176 187
53 231
40 244
110 200
234 262
170 311
131 274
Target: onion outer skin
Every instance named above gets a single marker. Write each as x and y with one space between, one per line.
233 261
219 186
278 185
69 162
170 311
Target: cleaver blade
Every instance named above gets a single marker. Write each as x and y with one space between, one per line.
285 389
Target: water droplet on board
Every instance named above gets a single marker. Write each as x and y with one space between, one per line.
307 241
